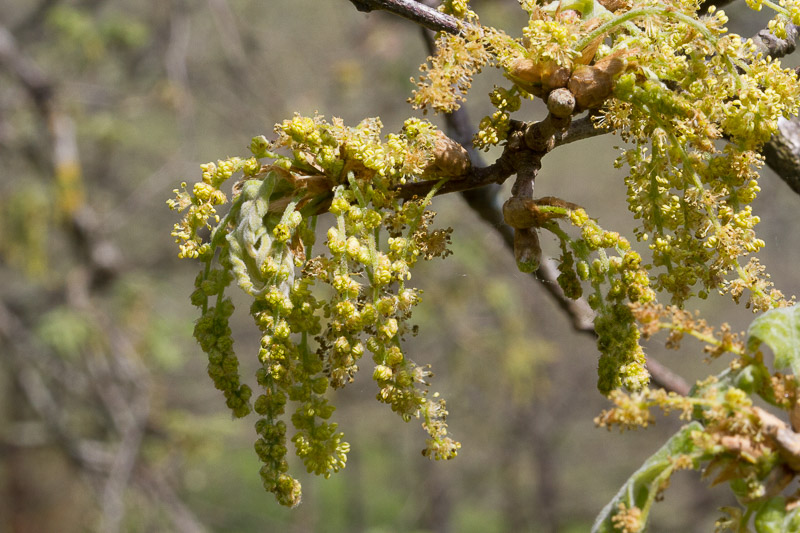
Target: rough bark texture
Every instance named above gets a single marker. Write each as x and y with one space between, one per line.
782 153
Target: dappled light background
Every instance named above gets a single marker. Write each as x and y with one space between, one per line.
108 421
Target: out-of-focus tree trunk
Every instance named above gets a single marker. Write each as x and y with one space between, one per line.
437 500
530 499
40 491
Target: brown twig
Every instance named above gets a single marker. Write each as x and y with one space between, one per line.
414 11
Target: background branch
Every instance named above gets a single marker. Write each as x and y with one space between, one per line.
115 385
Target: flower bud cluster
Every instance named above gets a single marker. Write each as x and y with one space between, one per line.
309 345
447 77
200 204
618 281
214 336
732 435
690 195
494 128
373 314
688 86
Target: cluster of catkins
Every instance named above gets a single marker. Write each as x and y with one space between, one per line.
313 338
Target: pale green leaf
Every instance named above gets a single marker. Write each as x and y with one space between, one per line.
641 489
780 330
771 515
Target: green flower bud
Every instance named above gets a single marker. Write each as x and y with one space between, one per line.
282 330
372 219
406 299
287 491
319 385
260 146
382 373
345 309
282 233
403 379
251 167
369 314
389 328
339 205
394 356
341 345
353 322
382 276
357 351
374 345
353 247
355 214
582 270
387 305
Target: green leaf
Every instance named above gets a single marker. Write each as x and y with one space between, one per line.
641 489
780 330
770 517
792 520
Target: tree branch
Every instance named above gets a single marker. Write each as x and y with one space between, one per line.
414 11
769 45
782 152
26 71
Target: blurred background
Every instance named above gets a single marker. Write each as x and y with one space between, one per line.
108 421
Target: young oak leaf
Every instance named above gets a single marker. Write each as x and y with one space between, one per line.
780 330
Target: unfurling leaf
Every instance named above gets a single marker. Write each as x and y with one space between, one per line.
641 489
780 330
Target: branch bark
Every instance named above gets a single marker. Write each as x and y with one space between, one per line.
414 11
782 152
769 45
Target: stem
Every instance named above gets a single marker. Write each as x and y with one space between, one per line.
221 230
664 11
206 272
427 200
777 8
708 339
